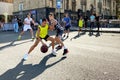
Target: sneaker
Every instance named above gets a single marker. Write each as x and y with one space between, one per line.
19 37
25 57
33 38
63 36
54 53
59 47
67 36
65 52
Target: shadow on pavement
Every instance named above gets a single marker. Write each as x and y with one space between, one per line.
12 44
92 34
28 71
10 36
77 36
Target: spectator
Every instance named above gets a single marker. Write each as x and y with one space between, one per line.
15 24
97 22
92 22
86 20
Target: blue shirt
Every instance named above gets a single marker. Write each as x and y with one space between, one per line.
92 18
67 21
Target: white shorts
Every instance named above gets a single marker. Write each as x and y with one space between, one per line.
25 28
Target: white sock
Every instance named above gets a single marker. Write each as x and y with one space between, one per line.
26 54
32 36
64 47
53 50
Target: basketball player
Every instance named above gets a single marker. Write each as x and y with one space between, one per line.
59 31
42 33
27 22
67 24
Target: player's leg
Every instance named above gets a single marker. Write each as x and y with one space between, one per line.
59 41
31 32
53 44
65 31
31 49
68 30
25 28
19 37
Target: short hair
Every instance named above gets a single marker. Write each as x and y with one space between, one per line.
44 19
29 14
51 14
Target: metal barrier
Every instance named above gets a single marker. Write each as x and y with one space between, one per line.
7 26
113 23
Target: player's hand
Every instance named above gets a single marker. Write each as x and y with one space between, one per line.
51 28
43 43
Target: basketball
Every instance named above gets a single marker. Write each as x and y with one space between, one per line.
44 48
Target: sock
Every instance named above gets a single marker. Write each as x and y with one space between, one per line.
53 50
27 54
64 47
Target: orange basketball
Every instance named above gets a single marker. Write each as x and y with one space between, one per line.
44 48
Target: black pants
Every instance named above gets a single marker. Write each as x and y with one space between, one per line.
98 25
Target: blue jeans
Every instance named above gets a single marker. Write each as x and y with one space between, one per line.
15 26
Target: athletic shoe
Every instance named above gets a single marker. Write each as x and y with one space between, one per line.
25 57
54 53
63 36
33 38
67 36
65 52
19 37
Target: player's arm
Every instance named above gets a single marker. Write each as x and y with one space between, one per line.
33 22
52 25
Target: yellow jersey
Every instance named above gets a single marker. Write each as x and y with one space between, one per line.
81 22
43 31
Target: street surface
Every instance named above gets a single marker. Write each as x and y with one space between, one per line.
89 58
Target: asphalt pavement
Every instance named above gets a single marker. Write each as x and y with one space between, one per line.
90 57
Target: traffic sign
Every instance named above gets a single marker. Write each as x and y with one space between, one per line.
58 4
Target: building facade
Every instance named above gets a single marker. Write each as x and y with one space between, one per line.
102 7
42 7
118 8
6 10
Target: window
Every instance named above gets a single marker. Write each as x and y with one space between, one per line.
20 6
73 5
67 4
51 3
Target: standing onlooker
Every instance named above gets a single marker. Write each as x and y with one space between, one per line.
92 22
27 26
15 24
98 22
81 23
20 23
67 24
86 21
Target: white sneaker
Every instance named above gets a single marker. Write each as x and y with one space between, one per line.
54 53
25 57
